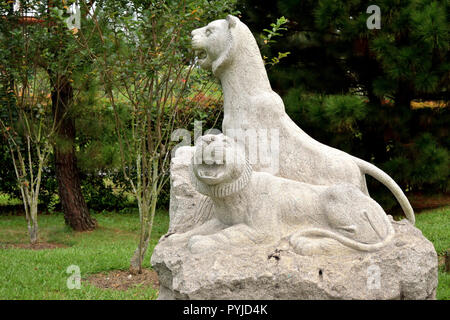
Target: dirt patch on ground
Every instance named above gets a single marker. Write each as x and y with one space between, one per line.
37 246
441 260
124 280
422 202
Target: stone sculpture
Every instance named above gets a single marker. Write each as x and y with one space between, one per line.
300 266
231 52
248 208
241 230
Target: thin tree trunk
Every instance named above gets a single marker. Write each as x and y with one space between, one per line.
403 95
147 216
138 256
139 253
447 261
33 230
31 208
76 213
31 215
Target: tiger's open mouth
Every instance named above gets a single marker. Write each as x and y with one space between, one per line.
210 173
200 53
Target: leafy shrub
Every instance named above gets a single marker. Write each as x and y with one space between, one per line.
101 196
410 145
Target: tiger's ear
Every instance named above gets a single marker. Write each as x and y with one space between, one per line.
232 21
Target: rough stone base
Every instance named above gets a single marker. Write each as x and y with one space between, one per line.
407 269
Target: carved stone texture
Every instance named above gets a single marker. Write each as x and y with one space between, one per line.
252 107
239 230
266 237
247 207
185 201
404 269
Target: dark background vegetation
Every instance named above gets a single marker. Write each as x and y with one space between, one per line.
381 95
363 91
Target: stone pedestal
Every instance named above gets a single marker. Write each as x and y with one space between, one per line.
405 269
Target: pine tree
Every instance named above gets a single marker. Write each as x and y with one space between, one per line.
352 87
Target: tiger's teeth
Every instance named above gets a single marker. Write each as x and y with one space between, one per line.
201 54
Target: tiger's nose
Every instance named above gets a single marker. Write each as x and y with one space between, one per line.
197 32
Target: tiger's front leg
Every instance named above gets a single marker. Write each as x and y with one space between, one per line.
209 227
237 235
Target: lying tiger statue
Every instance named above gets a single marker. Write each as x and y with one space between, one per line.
252 207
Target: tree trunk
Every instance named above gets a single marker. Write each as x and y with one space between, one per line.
447 261
146 228
33 232
144 239
138 257
76 213
31 208
403 95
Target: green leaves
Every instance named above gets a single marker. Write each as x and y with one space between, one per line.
275 31
427 164
338 112
431 25
411 47
268 38
330 14
344 110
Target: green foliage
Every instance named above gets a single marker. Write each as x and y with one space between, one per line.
443 292
428 164
267 38
101 196
411 48
98 151
142 56
113 29
410 146
351 87
343 111
275 31
8 179
39 61
6 200
405 59
340 113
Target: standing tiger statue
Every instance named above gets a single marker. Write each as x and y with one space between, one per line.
229 50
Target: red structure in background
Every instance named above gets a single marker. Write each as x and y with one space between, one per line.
30 20
24 18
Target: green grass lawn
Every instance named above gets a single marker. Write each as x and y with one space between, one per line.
435 226
41 274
